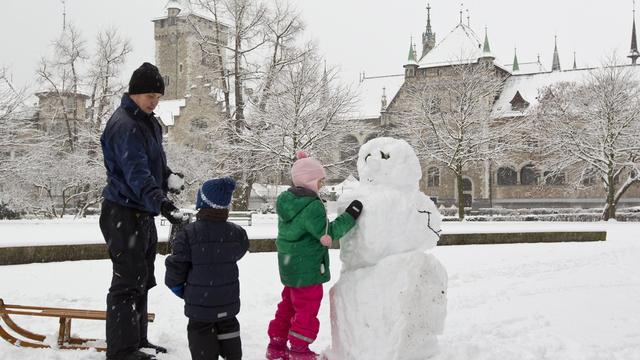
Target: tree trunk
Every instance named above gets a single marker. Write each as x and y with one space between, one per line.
242 194
460 196
610 207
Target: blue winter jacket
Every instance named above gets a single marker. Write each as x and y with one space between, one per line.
203 260
135 161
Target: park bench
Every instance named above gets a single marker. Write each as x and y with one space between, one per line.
65 340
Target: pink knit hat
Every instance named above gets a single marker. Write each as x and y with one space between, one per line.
306 172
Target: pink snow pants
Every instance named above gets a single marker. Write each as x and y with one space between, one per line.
297 315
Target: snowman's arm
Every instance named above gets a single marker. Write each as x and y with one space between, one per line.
316 222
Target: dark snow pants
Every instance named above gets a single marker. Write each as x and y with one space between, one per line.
208 340
132 240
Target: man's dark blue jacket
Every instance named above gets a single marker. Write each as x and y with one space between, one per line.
203 259
134 158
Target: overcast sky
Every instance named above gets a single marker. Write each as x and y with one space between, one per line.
355 35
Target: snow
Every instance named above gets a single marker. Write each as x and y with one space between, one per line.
570 301
460 46
167 110
86 231
386 276
530 86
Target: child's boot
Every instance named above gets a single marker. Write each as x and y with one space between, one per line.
277 349
302 352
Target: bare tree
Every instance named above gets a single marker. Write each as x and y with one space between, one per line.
111 52
74 184
591 129
246 31
16 128
307 114
284 27
61 74
448 119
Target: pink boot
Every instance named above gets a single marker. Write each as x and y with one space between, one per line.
302 352
277 350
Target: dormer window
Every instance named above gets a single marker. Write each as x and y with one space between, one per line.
518 103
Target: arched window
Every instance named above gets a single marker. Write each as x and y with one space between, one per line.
433 177
529 175
554 179
507 176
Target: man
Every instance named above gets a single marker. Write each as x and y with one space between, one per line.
137 183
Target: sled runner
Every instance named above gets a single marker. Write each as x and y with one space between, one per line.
65 340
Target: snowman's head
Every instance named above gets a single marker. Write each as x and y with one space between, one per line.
388 161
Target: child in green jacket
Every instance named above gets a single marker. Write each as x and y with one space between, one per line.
304 235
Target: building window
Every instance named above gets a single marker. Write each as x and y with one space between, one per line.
180 67
529 175
554 179
518 103
167 80
198 125
507 176
433 177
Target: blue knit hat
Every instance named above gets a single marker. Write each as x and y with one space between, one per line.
215 193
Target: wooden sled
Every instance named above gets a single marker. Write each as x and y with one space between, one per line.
65 340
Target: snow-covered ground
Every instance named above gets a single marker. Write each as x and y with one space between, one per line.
523 301
68 231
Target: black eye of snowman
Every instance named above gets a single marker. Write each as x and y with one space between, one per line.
384 155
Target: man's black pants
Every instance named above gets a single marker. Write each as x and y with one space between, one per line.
132 240
208 340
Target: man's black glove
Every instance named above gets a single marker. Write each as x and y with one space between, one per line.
175 182
171 212
354 209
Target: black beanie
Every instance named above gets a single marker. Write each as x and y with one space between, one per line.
146 79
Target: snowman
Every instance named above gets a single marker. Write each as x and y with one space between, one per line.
390 301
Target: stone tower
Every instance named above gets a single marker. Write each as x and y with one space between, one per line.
186 52
190 56
428 37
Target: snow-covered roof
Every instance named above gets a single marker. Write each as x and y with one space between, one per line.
369 92
460 46
532 67
529 86
168 109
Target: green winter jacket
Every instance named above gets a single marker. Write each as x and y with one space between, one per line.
302 220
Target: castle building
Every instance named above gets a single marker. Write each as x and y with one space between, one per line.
190 55
518 183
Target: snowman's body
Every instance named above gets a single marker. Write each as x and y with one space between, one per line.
390 301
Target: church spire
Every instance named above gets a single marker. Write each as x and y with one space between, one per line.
412 64
634 54
575 65
486 49
516 66
428 37
412 53
556 58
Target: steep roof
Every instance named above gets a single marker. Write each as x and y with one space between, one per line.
530 85
459 46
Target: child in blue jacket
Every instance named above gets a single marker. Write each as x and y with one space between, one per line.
202 270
